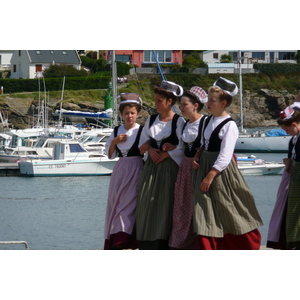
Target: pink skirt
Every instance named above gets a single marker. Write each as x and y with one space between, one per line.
276 233
122 197
182 235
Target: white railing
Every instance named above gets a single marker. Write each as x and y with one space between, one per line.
15 243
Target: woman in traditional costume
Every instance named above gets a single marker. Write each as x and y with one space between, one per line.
122 194
183 235
157 179
225 214
284 227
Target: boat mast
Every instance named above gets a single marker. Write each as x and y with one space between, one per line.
114 87
241 91
60 120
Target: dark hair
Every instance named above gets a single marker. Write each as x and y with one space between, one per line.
193 99
130 104
222 95
166 94
288 122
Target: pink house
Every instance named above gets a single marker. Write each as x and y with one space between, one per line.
144 58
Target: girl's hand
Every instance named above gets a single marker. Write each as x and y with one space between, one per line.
207 181
155 155
288 164
144 148
195 165
168 147
205 184
121 138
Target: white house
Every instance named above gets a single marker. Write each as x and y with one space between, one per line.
30 63
5 57
251 56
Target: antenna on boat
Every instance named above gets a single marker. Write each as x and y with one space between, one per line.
241 91
61 100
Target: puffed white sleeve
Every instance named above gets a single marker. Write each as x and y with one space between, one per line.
229 135
145 136
107 145
178 153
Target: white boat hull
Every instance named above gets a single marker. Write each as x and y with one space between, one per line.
262 144
266 169
90 167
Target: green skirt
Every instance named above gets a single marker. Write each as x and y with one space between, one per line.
293 209
155 202
228 206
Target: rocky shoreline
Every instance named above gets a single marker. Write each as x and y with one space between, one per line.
260 109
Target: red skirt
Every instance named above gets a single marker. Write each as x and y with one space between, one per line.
248 241
120 241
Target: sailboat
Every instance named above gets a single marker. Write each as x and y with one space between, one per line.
271 141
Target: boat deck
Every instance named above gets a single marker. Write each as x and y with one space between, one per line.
9 169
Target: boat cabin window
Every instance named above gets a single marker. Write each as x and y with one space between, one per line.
40 143
50 145
20 152
76 148
31 153
15 140
105 139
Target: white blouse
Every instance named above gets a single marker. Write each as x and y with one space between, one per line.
190 131
160 130
228 134
124 147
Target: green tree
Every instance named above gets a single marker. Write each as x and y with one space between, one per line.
193 61
95 65
297 57
54 71
226 58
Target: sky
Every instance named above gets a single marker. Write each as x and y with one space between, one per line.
130 25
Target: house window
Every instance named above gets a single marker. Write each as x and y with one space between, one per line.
215 55
38 52
123 58
258 55
286 55
14 68
38 68
19 52
163 56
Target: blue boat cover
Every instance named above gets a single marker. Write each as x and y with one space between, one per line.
276 132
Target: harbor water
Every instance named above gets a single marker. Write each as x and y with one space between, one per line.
68 213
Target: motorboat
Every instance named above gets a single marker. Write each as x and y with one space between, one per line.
42 148
69 159
274 140
252 165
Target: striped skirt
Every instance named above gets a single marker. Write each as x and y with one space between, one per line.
122 197
183 236
155 200
293 209
228 206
